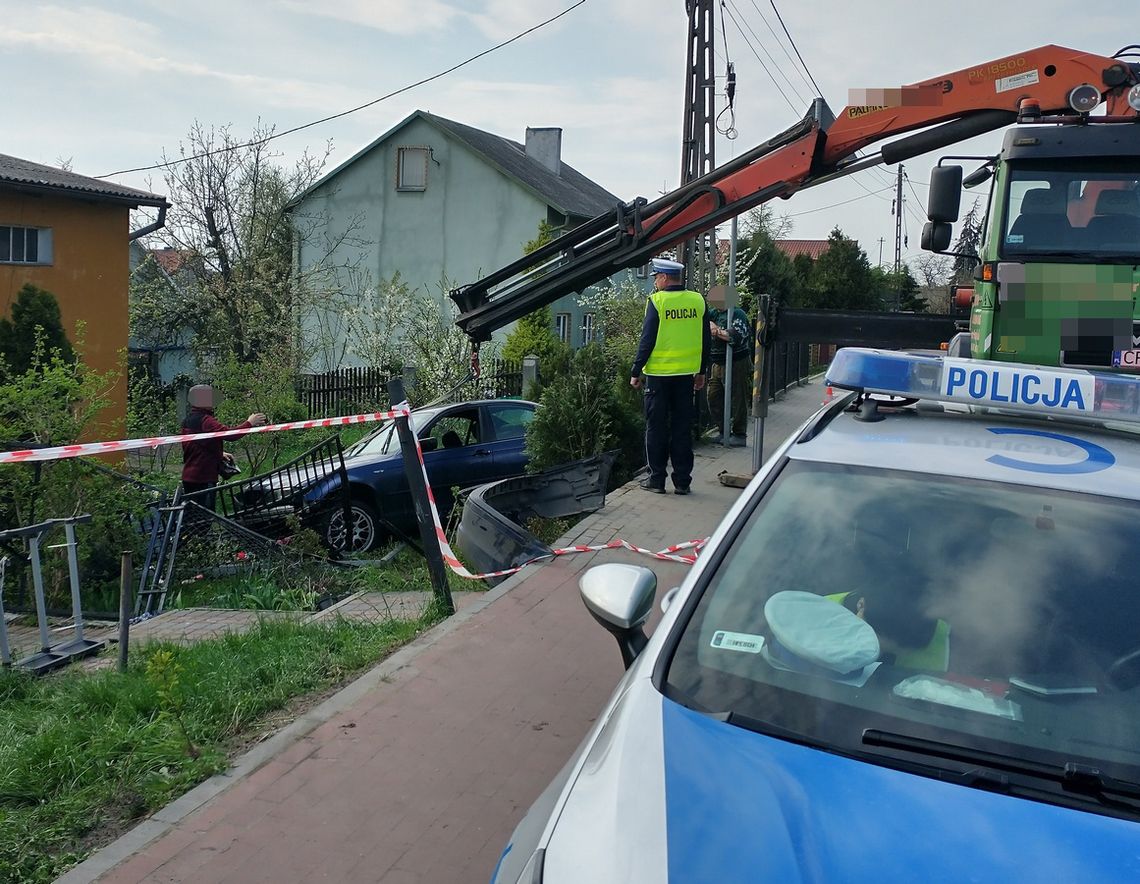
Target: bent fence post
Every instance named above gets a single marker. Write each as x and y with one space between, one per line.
418 487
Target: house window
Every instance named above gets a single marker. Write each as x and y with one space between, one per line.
411 168
587 328
562 327
25 245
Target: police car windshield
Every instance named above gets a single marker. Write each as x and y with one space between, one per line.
972 612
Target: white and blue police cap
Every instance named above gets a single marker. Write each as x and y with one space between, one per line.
664 265
815 635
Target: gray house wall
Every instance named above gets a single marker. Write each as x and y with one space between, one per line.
470 219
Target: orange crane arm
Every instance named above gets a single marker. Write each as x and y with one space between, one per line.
819 148
979 99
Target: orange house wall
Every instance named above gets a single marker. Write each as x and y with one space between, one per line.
88 276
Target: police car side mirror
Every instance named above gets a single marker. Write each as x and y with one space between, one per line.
620 598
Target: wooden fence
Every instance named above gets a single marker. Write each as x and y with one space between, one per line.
497 378
348 390
344 391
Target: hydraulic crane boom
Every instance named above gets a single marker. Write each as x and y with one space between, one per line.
819 148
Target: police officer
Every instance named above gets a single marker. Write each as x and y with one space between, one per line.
672 357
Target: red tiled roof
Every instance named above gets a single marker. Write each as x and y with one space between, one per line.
171 260
813 248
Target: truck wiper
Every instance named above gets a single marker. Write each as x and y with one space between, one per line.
1072 777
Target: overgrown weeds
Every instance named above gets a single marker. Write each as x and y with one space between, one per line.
83 754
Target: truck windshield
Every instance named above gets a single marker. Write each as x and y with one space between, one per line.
1083 210
1006 617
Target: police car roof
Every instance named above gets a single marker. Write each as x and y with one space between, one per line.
952 441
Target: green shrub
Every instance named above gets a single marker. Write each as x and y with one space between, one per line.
583 412
533 335
34 328
52 402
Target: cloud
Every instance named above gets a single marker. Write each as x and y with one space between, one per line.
122 45
402 17
501 19
495 19
622 132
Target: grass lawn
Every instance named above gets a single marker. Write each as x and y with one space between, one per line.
84 754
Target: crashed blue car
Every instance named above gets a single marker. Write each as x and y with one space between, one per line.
464 444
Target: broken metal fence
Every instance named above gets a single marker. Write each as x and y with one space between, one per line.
240 526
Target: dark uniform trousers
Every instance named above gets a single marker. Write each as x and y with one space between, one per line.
669 428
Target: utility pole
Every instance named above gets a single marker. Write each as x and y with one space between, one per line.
898 219
898 237
699 254
881 251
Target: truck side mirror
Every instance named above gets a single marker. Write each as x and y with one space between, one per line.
979 176
936 236
945 196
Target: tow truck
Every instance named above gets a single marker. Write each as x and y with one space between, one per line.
1057 275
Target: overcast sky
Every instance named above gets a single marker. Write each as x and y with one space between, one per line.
111 85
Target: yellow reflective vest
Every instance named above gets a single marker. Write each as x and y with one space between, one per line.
680 333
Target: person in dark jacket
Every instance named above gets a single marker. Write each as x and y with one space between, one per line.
671 361
729 329
203 459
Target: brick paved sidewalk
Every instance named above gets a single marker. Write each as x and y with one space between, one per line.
419 770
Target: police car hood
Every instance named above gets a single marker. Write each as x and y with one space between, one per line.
666 794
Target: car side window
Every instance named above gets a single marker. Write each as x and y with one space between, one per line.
456 429
510 421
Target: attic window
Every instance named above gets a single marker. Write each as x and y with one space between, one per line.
411 168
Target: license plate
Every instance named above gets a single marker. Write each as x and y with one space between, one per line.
1126 359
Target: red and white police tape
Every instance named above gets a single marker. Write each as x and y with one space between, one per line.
86 449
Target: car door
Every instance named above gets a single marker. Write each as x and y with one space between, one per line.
507 422
459 456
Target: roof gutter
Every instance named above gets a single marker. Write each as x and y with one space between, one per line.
157 224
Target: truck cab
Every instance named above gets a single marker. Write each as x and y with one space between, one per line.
1059 253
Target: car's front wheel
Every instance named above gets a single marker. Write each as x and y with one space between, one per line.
363 534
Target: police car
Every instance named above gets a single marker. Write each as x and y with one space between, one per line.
910 652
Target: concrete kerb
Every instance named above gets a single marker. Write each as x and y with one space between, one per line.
159 823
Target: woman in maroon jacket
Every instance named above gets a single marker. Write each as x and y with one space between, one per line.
202 459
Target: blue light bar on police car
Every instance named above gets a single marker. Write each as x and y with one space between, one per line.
1006 385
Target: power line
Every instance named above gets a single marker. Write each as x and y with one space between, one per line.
729 109
874 193
906 178
266 140
780 43
759 59
874 171
834 205
775 64
818 91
